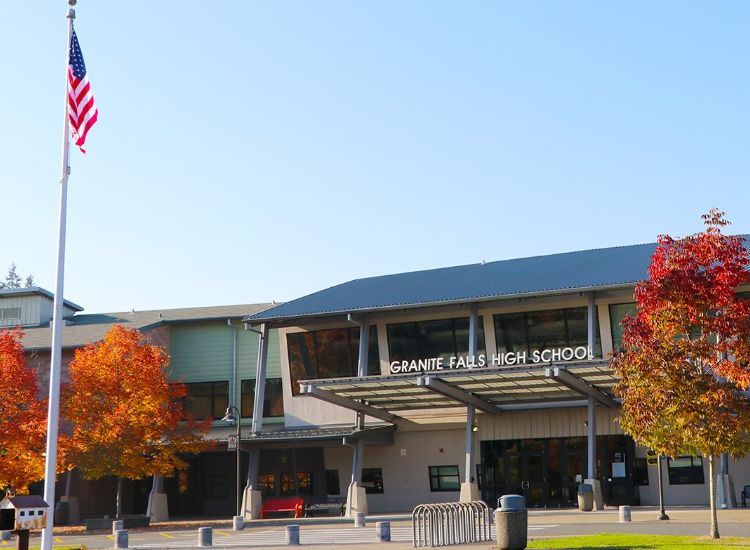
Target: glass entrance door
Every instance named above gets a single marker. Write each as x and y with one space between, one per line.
548 471
535 485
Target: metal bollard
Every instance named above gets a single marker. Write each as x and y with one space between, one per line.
121 538
292 535
383 531
205 536
118 525
359 519
624 514
238 523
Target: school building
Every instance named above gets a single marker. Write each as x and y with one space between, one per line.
449 384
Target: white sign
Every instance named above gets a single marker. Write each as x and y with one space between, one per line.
232 443
508 359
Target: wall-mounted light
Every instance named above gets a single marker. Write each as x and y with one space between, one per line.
475 428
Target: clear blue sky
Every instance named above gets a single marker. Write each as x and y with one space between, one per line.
250 151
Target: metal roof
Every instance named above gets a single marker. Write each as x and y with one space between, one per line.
618 267
491 389
32 290
83 329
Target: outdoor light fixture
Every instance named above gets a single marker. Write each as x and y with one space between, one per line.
229 416
475 428
233 415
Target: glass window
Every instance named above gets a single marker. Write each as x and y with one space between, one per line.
273 399
332 482
207 400
10 313
427 339
641 471
215 486
267 484
332 353
617 312
548 329
444 478
372 480
685 470
299 485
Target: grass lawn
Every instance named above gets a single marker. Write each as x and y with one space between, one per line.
643 542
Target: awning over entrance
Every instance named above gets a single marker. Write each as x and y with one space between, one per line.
371 435
490 389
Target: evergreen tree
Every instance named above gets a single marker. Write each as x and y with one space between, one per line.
14 280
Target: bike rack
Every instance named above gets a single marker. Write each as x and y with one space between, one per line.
449 523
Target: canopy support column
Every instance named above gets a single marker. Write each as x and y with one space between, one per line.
356 497
469 487
157 508
591 318
251 498
591 455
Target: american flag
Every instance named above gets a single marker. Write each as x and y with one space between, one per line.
82 110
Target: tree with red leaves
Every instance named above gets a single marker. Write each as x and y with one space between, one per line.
127 420
686 358
22 417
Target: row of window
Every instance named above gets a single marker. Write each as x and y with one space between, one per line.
442 478
206 400
333 353
683 470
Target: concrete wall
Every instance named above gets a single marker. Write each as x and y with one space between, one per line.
697 494
406 480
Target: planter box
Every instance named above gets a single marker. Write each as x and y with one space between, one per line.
131 522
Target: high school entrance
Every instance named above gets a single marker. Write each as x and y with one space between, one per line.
548 471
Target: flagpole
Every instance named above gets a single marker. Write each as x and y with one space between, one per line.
50 464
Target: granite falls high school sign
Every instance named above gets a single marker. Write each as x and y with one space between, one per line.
507 359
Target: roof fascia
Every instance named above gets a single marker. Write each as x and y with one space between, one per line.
288 320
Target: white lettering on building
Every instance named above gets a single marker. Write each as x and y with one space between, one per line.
506 359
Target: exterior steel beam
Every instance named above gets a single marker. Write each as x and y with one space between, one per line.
559 374
438 386
309 389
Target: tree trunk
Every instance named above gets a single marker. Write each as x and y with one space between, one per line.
118 509
712 498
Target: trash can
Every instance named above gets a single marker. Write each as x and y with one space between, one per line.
511 523
585 497
62 511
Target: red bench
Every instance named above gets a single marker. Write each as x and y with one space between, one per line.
283 505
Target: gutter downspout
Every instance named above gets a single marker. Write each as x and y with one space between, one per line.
233 389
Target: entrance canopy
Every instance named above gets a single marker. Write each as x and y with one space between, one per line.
490 389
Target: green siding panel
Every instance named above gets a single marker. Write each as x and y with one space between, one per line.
202 352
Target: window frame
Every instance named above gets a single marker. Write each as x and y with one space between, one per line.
267 404
419 344
696 471
436 478
213 398
374 489
524 315
373 363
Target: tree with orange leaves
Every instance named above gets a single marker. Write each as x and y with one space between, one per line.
126 418
22 417
687 350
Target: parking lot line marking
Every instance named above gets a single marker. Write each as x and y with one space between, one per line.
111 537
57 539
222 533
166 535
